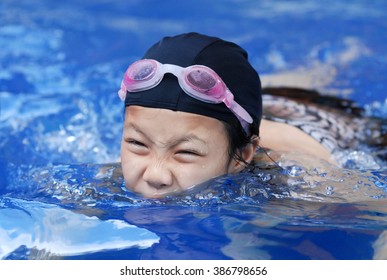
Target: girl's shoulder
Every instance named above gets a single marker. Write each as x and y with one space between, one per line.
334 122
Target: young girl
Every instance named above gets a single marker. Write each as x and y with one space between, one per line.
194 112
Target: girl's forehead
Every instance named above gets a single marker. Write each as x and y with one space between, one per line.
166 124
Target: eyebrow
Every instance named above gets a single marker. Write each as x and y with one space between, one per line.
173 143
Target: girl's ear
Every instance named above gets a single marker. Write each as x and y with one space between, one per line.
247 154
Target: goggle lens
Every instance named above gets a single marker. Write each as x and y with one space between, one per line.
142 72
201 80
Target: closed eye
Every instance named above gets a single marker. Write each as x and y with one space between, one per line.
136 146
188 156
188 152
135 142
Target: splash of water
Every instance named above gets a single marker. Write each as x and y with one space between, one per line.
60 232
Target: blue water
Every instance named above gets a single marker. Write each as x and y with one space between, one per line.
60 127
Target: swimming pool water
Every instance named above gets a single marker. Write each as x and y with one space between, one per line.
60 129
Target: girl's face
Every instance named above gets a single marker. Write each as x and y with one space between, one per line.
164 151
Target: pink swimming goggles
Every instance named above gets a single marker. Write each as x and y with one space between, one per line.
198 81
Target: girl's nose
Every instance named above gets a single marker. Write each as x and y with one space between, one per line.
158 176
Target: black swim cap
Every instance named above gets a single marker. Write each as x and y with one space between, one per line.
227 59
